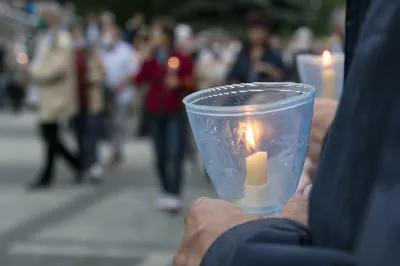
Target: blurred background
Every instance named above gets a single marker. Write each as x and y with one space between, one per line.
123 203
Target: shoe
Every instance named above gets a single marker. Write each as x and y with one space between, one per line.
39 186
96 172
169 203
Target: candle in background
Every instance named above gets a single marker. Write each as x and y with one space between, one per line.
328 76
173 63
255 186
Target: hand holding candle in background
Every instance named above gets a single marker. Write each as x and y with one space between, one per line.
171 79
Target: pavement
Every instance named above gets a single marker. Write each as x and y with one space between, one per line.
114 223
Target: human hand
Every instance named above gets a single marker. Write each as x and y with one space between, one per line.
261 67
297 207
324 113
171 81
207 219
268 69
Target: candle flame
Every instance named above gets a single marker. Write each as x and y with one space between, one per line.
326 58
173 62
251 144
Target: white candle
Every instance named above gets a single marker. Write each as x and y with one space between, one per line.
255 186
328 76
256 164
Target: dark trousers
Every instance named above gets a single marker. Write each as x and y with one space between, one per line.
169 139
53 148
86 127
80 129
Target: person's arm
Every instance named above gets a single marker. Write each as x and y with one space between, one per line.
276 69
272 242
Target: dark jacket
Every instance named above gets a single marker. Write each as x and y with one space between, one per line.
354 218
241 70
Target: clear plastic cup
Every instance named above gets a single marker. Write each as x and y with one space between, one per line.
313 72
253 140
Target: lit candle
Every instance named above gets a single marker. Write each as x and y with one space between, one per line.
256 164
255 187
173 63
328 76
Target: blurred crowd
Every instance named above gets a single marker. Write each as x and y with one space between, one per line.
96 75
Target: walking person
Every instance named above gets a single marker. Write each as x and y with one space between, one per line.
54 72
90 76
169 75
120 63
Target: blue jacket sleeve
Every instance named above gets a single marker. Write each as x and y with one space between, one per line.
272 242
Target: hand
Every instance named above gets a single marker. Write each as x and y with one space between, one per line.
207 219
171 81
268 69
324 113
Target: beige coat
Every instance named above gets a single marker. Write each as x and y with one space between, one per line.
56 78
95 77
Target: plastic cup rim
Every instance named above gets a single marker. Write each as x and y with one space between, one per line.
291 102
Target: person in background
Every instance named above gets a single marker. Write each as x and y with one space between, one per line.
54 71
90 75
184 41
92 29
120 64
302 43
258 61
214 61
107 18
69 15
170 77
133 26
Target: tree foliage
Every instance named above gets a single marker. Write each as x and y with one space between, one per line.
285 15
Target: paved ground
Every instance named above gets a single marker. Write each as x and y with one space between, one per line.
111 224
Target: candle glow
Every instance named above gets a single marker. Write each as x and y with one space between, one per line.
326 58
251 144
173 62
328 76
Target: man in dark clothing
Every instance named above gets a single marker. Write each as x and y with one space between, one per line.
353 214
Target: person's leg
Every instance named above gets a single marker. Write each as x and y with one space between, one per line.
119 122
92 139
47 132
158 133
72 160
79 125
176 151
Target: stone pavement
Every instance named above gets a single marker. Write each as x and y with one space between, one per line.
110 224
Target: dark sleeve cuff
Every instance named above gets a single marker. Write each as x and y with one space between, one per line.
271 230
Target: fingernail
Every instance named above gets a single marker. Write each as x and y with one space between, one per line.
307 190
